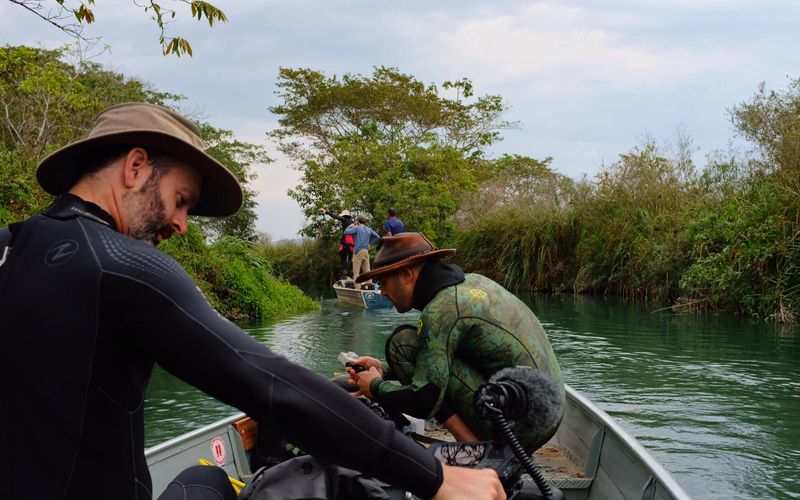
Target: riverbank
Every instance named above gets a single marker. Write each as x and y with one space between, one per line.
237 279
642 232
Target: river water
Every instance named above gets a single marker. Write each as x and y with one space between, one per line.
714 398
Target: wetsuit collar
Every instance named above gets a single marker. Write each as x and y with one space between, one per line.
434 277
69 206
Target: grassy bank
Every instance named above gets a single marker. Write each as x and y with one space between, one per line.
237 279
649 229
311 265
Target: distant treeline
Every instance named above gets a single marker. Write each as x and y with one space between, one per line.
49 98
651 226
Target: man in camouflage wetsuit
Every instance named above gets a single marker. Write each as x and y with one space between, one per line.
469 329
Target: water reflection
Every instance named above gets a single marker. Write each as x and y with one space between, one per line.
714 398
173 407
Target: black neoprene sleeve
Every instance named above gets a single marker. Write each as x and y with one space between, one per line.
191 340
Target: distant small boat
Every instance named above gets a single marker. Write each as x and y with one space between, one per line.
348 293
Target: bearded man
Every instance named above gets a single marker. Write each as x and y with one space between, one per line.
89 305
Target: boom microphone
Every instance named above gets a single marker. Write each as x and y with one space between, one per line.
530 399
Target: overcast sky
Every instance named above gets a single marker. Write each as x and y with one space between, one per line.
586 80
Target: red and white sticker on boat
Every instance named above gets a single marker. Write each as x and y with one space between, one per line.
218 450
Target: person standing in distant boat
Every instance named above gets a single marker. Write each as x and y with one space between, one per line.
393 226
345 242
364 237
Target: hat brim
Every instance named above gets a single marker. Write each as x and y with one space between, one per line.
408 261
220 193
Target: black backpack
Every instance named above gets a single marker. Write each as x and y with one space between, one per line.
306 478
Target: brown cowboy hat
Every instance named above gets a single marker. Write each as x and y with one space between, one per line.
148 126
405 249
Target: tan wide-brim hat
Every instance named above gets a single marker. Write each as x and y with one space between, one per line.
147 126
405 249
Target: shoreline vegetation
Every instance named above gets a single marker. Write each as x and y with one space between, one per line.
651 226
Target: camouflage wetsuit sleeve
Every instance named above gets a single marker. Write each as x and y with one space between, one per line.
437 339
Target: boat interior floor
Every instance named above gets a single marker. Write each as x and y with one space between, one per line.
555 462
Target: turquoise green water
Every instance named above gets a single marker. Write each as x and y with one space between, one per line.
714 398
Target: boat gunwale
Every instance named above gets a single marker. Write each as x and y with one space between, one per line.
658 471
156 449
369 298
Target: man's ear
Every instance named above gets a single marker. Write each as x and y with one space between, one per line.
407 274
136 169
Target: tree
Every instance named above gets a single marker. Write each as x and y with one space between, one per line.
516 180
71 17
46 102
771 120
387 140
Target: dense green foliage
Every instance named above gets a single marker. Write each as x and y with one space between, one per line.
650 226
387 140
237 280
311 264
48 102
616 235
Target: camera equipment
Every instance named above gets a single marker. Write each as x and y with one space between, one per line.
348 360
520 399
532 401
358 368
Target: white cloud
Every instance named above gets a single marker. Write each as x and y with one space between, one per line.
560 46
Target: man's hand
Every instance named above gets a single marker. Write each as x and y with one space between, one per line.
323 210
470 484
368 362
362 380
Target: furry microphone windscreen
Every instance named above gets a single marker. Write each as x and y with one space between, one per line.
545 398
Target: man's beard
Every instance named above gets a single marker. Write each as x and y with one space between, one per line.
147 214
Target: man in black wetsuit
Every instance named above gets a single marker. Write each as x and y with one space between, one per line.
88 305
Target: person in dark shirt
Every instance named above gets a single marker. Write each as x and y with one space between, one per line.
89 305
393 226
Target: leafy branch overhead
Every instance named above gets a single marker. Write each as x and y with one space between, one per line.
71 18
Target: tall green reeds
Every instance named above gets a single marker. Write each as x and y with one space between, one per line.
309 264
650 227
520 247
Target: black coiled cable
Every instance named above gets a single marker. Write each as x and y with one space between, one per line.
500 423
